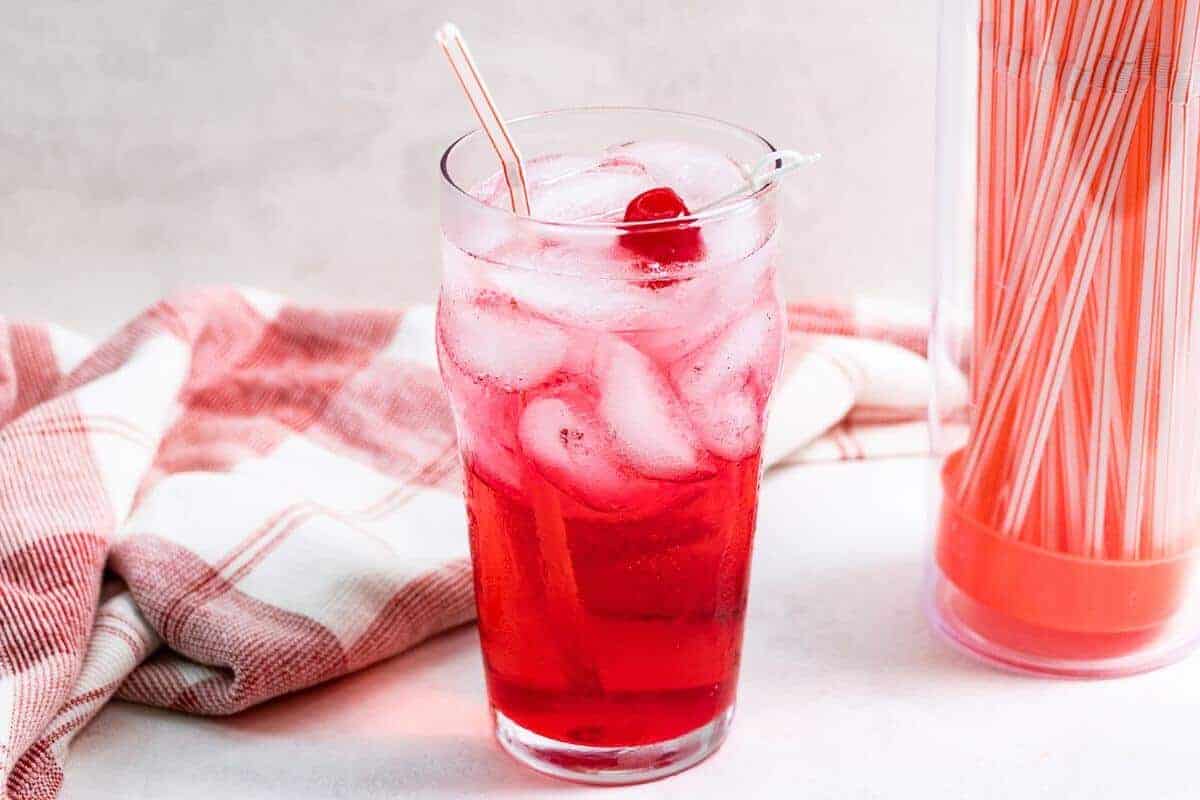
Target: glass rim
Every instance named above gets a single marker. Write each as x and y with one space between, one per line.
728 208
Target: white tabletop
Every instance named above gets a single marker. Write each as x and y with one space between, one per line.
845 693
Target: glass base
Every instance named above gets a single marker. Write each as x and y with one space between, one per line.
1019 646
612 766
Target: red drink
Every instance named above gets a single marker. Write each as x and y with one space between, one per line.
610 383
661 602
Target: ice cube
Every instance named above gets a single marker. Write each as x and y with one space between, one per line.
595 194
589 302
490 339
698 173
486 419
639 406
704 305
677 340
751 280
488 446
742 235
464 276
724 385
729 424
539 171
571 448
746 352
479 236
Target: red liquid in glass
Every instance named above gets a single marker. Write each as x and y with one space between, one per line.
649 649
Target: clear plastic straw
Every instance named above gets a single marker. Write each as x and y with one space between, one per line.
451 40
768 169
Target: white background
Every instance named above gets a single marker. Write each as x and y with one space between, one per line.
151 145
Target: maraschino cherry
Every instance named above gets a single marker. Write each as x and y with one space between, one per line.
661 247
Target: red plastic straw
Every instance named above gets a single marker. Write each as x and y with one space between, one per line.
1086 365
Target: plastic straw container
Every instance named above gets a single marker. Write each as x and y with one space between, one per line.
1068 505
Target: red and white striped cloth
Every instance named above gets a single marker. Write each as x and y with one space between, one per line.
273 491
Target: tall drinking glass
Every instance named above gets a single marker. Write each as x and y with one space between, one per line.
609 382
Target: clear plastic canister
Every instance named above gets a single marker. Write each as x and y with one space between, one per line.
1065 336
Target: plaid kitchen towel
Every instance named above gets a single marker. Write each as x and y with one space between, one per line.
273 491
